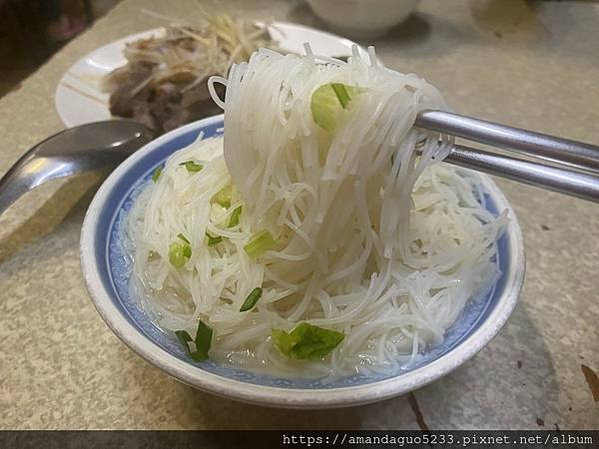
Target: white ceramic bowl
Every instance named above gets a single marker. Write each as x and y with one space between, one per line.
362 19
106 274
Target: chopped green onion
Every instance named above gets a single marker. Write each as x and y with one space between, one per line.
251 300
156 174
223 196
260 242
203 341
283 341
191 166
212 240
324 107
342 94
178 253
187 251
234 218
182 237
328 102
184 339
306 342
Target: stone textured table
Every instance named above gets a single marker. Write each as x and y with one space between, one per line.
532 64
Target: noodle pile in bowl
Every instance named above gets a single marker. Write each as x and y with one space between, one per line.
321 236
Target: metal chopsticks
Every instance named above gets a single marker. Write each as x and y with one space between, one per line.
576 173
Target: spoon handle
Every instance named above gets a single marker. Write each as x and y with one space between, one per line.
90 147
13 185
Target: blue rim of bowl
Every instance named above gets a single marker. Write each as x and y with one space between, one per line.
95 272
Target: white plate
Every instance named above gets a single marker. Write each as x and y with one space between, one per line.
78 97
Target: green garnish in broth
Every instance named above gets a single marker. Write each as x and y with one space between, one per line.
203 341
191 166
306 341
156 174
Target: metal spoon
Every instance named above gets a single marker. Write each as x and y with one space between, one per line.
89 147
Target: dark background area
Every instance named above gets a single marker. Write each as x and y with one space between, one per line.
31 31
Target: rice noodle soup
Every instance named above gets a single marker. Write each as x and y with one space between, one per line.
322 235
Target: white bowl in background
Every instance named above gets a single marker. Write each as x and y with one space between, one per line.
363 19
